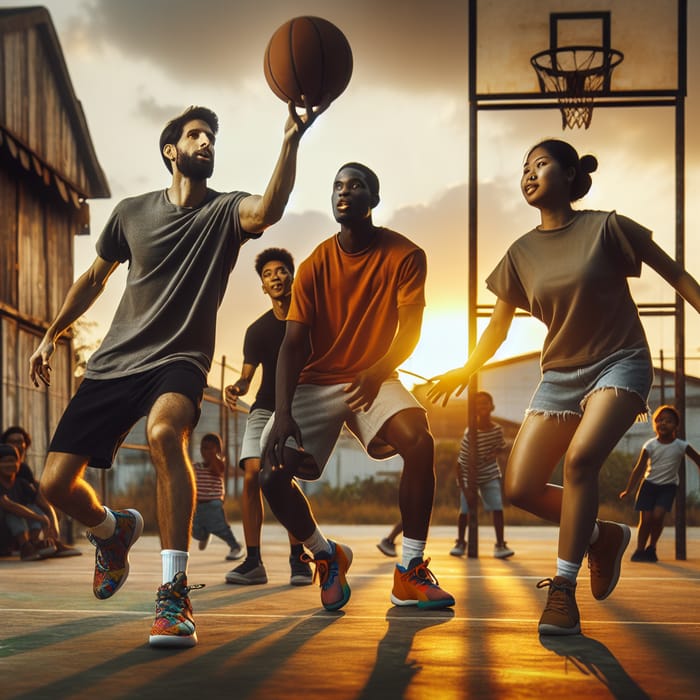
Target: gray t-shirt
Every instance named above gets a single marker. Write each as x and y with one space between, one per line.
180 260
574 280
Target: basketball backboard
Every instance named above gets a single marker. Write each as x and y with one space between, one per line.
509 32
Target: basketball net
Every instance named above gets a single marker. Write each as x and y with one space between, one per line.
576 75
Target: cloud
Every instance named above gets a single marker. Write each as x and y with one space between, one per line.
401 42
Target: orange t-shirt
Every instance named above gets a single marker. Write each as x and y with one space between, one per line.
350 302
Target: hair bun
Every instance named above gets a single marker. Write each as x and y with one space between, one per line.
589 163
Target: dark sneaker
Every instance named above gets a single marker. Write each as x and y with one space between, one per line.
46 548
174 624
112 554
65 550
605 557
300 572
236 552
28 552
639 555
459 549
330 571
417 585
650 553
249 573
387 547
560 614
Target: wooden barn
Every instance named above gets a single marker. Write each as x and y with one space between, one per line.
48 171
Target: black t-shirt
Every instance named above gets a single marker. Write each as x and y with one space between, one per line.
261 347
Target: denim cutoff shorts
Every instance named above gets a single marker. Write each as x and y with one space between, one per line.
564 392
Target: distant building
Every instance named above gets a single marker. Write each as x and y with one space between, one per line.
48 171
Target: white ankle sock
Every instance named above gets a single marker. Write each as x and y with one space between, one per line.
174 561
567 569
106 528
595 533
317 543
410 549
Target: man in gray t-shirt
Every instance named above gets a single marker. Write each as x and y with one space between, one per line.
180 245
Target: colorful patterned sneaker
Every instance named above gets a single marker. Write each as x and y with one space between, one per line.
605 557
417 585
387 547
250 573
560 614
459 549
112 554
300 572
330 572
174 624
502 551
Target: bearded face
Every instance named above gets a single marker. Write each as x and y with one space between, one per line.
194 166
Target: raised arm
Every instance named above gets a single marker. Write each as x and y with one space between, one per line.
257 212
364 388
491 339
693 454
81 296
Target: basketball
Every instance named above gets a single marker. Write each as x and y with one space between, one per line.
308 56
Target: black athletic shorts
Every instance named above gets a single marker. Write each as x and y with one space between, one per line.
103 411
651 495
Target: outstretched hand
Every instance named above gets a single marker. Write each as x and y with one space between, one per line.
39 367
446 385
299 123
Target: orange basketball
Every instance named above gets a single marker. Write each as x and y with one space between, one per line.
308 56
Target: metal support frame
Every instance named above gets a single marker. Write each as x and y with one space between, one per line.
618 99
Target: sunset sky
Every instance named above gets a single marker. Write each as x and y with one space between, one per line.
136 63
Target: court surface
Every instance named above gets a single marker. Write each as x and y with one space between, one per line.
275 641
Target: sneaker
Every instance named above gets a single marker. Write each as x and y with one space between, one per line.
560 614
249 573
650 553
236 552
417 585
112 554
639 555
301 574
174 624
28 552
605 556
65 550
203 544
46 548
459 549
502 551
330 571
386 546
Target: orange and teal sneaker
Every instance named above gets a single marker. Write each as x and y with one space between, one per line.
112 554
174 624
330 572
417 585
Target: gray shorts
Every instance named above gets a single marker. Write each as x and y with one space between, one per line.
322 411
491 497
256 422
564 392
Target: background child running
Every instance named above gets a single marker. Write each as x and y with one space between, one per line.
660 460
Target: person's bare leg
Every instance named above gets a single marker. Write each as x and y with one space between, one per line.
499 527
644 529
168 429
64 485
658 515
252 503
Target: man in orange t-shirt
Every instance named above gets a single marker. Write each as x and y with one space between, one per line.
356 314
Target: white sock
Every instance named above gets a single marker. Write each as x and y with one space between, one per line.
567 569
174 561
595 533
106 528
317 543
411 549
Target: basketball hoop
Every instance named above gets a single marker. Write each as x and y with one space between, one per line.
576 75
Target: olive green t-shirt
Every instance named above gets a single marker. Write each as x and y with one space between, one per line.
574 280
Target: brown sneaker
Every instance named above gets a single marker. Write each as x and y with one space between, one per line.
605 557
560 614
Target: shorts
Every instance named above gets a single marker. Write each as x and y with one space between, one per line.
651 495
103 411
255 424
491 496
564 392
321 412
17 525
